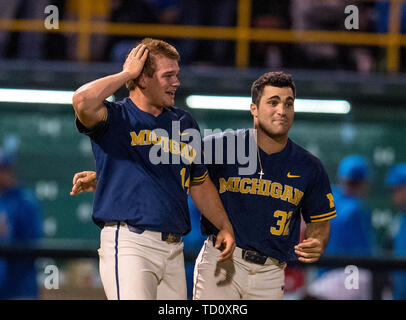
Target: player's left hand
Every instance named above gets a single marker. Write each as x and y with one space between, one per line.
309 250
225 242
84 181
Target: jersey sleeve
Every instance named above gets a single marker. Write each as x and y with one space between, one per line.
213 144
199 172
318 202
100 128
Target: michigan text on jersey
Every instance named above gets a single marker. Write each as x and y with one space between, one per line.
148 137
261 187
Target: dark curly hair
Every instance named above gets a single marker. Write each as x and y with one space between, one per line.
278 79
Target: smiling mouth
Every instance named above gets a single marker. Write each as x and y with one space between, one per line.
280 121
172 94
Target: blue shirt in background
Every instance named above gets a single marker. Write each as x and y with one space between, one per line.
399 277
351 231
20 221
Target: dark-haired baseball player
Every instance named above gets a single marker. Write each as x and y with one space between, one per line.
141 205
265 208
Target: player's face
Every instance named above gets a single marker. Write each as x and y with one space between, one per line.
6 178
399 197
161 87
275 113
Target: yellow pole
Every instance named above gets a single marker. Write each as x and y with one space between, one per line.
243 33
83 40
393 48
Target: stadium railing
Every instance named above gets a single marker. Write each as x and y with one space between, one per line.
243 34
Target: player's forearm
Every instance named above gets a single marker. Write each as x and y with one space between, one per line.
90 97
206 198
320 231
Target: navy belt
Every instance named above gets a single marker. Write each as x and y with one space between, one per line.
165 236
250 255
253 256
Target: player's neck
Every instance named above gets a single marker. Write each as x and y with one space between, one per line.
271 144
143 103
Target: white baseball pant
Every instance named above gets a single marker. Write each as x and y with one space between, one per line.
236 279
140 266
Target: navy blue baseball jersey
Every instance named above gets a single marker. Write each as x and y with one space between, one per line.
266 213
131 186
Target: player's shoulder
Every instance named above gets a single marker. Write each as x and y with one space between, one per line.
186 120
119 104
118 109
182 114
179 111
227 134
304 157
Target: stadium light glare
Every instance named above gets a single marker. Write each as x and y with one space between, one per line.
38 96
243 103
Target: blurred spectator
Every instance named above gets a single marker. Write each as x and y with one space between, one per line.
318 15
20 221
382 22
127 11
270 15
363 58
212 13
30 44
167 11
396 182
329 16
351 232
100 11
56 46
382 19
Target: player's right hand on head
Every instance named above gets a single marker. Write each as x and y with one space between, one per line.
225 242
84 181
136 60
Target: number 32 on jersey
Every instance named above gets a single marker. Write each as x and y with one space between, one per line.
282 224
283 219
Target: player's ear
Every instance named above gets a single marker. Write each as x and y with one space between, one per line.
254 110
140 81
